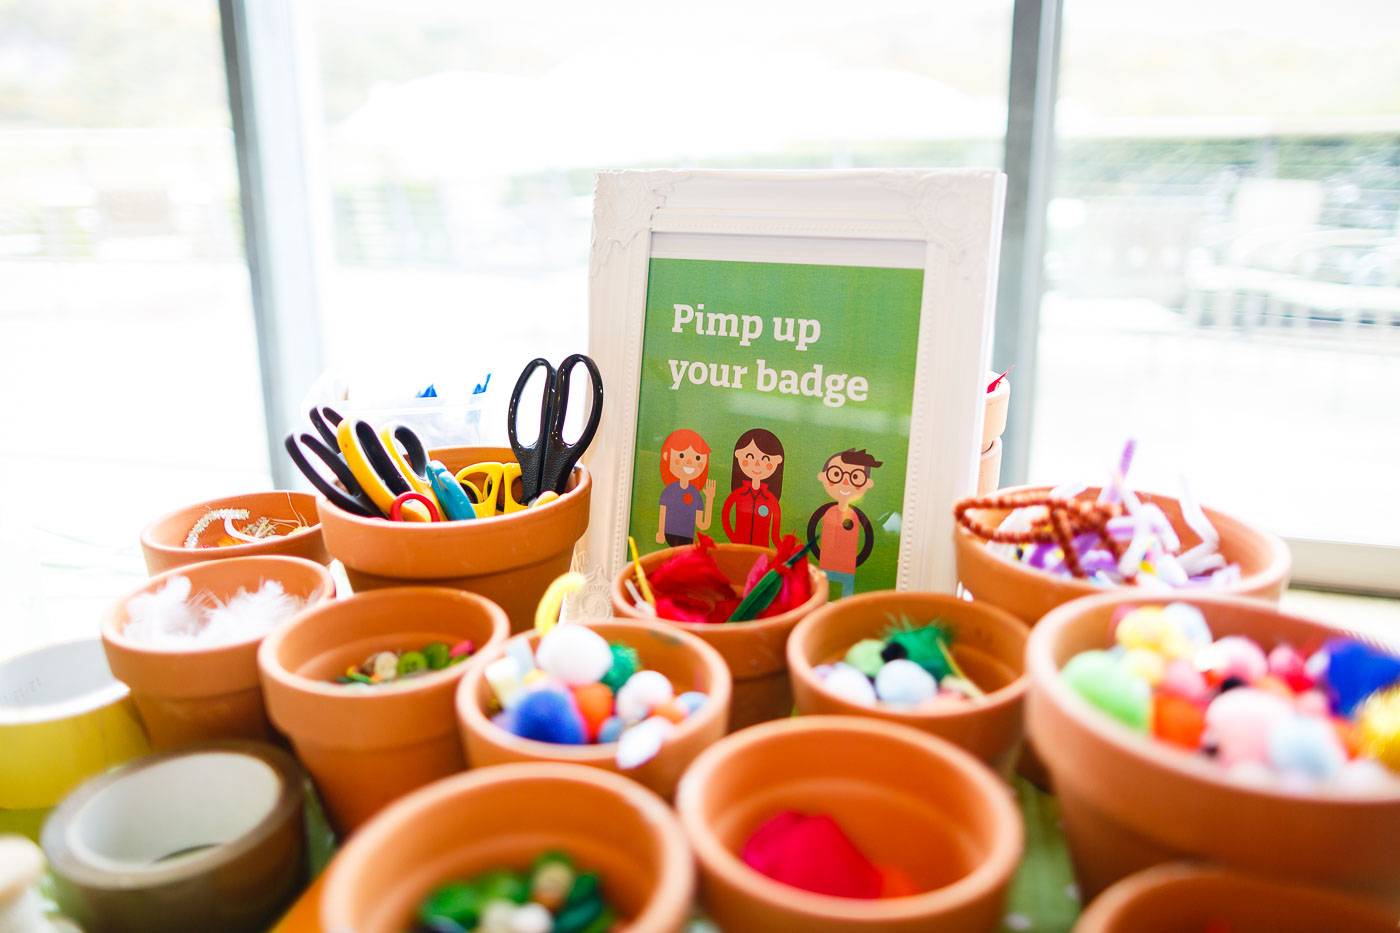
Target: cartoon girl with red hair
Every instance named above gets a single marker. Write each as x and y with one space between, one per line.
687 501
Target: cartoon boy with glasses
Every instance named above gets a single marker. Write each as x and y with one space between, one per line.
839 548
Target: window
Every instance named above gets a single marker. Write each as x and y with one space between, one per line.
1223 259
130 378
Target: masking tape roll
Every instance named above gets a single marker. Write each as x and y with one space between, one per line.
63 718
208 838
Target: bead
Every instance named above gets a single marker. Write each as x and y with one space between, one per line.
595 705
1305 745
548 716
1378 728
1180 678
904 683
1145 664
1101 681
865 657
691 701
642 691
551 881
1178 721
437 654
531 918
1240 721
574 654
625 663
850 685
383 665
411 662
610 729
642 742
1234 656
463 649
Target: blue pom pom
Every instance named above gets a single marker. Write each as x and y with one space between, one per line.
548 716
691 700
610 729
1355 671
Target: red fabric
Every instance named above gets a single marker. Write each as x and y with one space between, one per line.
812 853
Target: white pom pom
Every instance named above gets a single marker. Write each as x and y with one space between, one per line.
574 654
643 692
850 684
642 742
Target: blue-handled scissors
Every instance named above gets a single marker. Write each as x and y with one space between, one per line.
546 464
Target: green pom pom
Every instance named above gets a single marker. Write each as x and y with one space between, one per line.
925 645
1104 683
864 656
439 655
458 901
625 663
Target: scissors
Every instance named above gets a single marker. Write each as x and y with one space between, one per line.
382 473
492 485
347 495
546 464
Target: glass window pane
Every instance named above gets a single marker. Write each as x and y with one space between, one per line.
130 382
1223 264
461 142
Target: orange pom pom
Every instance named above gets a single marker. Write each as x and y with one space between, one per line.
1177 720
595 705
670 710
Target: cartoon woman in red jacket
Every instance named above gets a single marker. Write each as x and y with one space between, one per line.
751 514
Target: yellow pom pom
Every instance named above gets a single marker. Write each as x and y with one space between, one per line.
1378 728
1144 663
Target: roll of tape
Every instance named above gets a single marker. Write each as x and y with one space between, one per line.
208 837
63 718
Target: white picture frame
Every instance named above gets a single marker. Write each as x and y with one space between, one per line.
949 220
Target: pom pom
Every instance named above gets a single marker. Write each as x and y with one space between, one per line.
642 742
1355 671
850 685
548 716
1101 681
574 654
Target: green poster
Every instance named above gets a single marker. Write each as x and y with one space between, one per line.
775 399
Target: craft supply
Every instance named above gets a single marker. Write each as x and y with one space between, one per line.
156 845
552 602
640 574
1115 540
22 908
1321 717
548 461
387 667
171 618
456 504
910 666
240 527
811 852
552 896
690 587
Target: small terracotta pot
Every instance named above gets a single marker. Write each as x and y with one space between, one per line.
1028 593
1175 897
687 662
163 540
200 693
998 403
1130 802
503 818
509 559
756 651
368 746
989 468
988 644
905 798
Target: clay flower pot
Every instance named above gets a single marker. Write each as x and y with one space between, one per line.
1129 802
509 559
1175 897
163 540
1028 593
366 746
988 644
755 651
687 662
198 693
503 818
905 798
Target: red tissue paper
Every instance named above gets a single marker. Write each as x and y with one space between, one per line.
811 852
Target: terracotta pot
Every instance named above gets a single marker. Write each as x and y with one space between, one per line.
163 540
1028 593
998 403
509 559
1175 897
365 747
688 662
200 693
905 798
988 644
989 468
755 651
1129 802
503 818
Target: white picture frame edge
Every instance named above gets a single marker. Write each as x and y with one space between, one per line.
956 213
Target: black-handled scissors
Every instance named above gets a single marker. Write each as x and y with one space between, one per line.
546 464
348 495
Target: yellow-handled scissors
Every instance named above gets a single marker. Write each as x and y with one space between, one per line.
492 485
377 470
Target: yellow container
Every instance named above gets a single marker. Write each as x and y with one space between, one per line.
63 718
